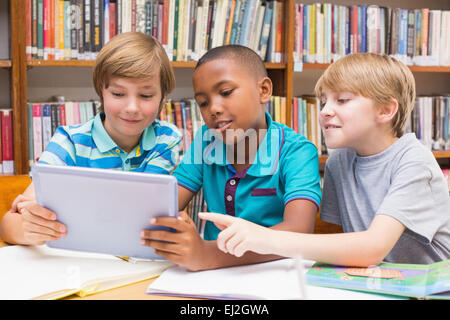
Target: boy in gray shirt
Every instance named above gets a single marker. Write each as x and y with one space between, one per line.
384 188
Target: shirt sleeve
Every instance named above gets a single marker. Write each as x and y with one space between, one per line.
166 158
411 201
189 171
60 151
301 172
329 211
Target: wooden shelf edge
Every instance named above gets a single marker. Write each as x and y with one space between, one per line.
437 154
90 63
412 68
5 64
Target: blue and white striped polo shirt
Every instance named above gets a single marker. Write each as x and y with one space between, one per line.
89 145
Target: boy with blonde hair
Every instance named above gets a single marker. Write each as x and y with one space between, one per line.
132 76
383 186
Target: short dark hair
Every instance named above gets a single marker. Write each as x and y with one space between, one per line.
245 56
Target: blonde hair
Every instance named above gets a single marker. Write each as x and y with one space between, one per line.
377 77
133 55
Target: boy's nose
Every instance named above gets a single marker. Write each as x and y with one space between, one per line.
326 110
216 108
132 105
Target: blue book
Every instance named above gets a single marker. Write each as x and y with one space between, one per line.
403 32
245 29
237 11
305 32
266 30
46 124
363 28
347 30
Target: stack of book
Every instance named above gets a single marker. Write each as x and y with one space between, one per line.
324 32
77 29
6 141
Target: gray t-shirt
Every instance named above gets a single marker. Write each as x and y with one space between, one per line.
404 182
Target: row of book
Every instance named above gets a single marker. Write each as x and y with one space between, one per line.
78 29
429 121
6 141
324 32
45 117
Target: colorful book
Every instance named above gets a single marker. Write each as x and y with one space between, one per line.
7 140
422 281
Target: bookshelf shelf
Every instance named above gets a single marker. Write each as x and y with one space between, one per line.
412 68
90 63
437 154
5 63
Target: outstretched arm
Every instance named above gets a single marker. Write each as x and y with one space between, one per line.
353 249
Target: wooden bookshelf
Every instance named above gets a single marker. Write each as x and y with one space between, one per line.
412 68
437 154
90 63
5 64
282 74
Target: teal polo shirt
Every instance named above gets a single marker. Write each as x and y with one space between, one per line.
286 168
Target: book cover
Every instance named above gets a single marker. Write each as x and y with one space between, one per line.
40 272
7 140
412 280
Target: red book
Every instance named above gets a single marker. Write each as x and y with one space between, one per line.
7 141
46 28
165 22
133 15
354 30
62 114
28 28
112 19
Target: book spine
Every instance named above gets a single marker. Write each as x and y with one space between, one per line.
112 18
54 118
34 28
46 125
67 33
52 30
45 28
40 29
7 141
37 131
28 13
73 30
30 134
87 29
424 34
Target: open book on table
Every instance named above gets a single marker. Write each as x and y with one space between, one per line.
421 281
40 272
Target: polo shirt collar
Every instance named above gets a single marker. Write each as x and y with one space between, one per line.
267 156
105 143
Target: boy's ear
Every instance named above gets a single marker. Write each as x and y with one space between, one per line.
388 111
265 90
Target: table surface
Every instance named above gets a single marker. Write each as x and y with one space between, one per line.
136 291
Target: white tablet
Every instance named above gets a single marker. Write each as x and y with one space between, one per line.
105 210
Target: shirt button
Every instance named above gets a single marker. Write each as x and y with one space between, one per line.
232 182
229 198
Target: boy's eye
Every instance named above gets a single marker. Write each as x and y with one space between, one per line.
202 104
226 93
117 94
147 96
342 101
